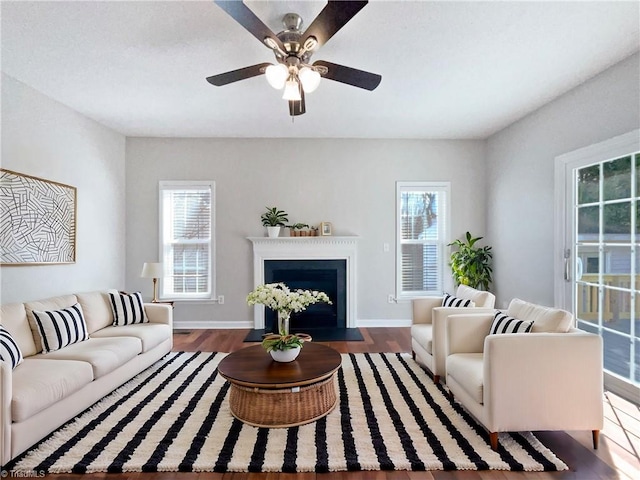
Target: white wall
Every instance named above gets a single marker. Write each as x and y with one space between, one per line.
350 183
520 178
44 138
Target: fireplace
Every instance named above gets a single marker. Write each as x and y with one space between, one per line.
330 266
328 276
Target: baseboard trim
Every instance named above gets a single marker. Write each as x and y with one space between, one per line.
210 325
383 322
214 324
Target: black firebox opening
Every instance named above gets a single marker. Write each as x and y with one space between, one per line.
328 276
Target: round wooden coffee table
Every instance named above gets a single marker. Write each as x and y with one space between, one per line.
265 393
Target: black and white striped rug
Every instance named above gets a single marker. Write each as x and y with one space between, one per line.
175 417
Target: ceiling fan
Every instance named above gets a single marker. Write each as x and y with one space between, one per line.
293 50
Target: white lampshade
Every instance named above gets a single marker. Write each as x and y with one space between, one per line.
277 75
152 270
291 90
309 78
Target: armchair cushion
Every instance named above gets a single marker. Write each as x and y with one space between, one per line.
423 334
467 369
451 301
481 298
505 324
545 319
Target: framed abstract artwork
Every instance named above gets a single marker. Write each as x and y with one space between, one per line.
37 220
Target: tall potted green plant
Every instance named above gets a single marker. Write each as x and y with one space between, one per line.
471 265
273 219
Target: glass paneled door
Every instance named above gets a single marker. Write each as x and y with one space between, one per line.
602 259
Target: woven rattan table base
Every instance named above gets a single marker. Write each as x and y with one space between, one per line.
285 407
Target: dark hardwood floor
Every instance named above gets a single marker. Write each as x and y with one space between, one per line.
617 458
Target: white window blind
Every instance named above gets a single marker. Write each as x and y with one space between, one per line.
186 238
422 219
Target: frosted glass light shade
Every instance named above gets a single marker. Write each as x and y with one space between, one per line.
309 78
277 75
291 91
152 270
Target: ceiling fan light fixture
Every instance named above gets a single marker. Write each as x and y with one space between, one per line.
277 75
291 90
309 78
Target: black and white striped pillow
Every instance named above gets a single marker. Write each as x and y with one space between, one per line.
9 350
505 324
127 308
451 301
59 328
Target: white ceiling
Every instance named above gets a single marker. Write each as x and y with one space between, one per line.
449 69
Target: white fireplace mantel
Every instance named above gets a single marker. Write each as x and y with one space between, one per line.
307 248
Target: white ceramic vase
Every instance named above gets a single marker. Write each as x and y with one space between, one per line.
273 232
285 356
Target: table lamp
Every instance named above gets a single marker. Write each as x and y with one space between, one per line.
155 271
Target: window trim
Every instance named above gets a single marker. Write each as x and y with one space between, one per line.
444 219
184 184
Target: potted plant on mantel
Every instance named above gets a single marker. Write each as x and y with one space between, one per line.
471 265
283 346
273 219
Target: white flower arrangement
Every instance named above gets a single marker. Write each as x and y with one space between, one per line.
278 297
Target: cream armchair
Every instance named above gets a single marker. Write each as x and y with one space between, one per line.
549 379
429 326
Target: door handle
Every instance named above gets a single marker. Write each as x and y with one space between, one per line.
567 265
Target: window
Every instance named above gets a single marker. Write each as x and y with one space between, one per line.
186 239
422 219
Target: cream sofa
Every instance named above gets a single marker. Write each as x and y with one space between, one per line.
429 325
46 390
548 379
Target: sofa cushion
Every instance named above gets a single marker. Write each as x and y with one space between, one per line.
54 303
481 298
128 309
59 328
97 310
451 301
104 354
150 334
423 334
14 318
39 383
467 369
505 324
545 319
9 350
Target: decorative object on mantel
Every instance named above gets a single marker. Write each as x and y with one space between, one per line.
278 297
273 219
471 265
296 230
326 229
38 224
155 271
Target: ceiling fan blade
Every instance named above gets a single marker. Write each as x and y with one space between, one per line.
297 107
236 75
245 17
332 18
350 76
